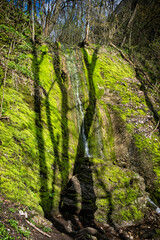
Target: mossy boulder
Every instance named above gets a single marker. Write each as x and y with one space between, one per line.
106 192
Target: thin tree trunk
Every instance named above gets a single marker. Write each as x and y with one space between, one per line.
46 29
5 77
128 28
87 22
11 47
51 18
33 24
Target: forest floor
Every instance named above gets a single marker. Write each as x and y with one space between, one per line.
16 223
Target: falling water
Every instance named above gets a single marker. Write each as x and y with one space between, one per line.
76 84
80 108
156 207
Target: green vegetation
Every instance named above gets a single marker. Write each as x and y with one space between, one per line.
4 235
30 137
14 224
40 129
13 210
118 194
46 229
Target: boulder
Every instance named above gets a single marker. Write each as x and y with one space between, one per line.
41 221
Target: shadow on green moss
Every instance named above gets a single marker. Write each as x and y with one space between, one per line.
83 161
63 163
45 203
90 111
88 119
110 206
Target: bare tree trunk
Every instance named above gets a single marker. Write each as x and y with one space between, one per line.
51 17
128 28
5 76
29 7
46 29
33 23
87 21
82 23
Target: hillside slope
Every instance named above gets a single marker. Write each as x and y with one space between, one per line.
78 131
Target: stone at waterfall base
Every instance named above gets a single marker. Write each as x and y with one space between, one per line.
41 221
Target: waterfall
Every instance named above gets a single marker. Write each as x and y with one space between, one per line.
73 70
156 207
81 111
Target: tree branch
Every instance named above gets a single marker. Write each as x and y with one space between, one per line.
32 225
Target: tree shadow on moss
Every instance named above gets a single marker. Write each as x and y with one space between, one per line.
57 165
61 163
61 79
110 207
83 162
55 144
44 195
90 111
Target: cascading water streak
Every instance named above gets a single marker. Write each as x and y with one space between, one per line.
80 107
76 84
156 207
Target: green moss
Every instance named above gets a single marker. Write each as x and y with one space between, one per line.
20 179
132 213
151 147
39 148
117 191
1 75
158 231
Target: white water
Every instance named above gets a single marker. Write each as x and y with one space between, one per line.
156 207
82 128
76 84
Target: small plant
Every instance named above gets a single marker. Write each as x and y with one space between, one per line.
46 229
158 231
14 224
25 232
12 210
4 233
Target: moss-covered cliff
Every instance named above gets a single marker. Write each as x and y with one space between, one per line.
41 130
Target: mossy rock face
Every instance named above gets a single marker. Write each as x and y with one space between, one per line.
106 192
40 143
38 140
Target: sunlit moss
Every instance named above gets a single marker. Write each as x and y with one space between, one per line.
114 88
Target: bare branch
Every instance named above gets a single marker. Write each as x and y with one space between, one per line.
32 225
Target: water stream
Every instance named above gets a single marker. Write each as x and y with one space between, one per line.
73 70
156 207
82 127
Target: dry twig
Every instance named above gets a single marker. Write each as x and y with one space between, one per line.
1 118
32 225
